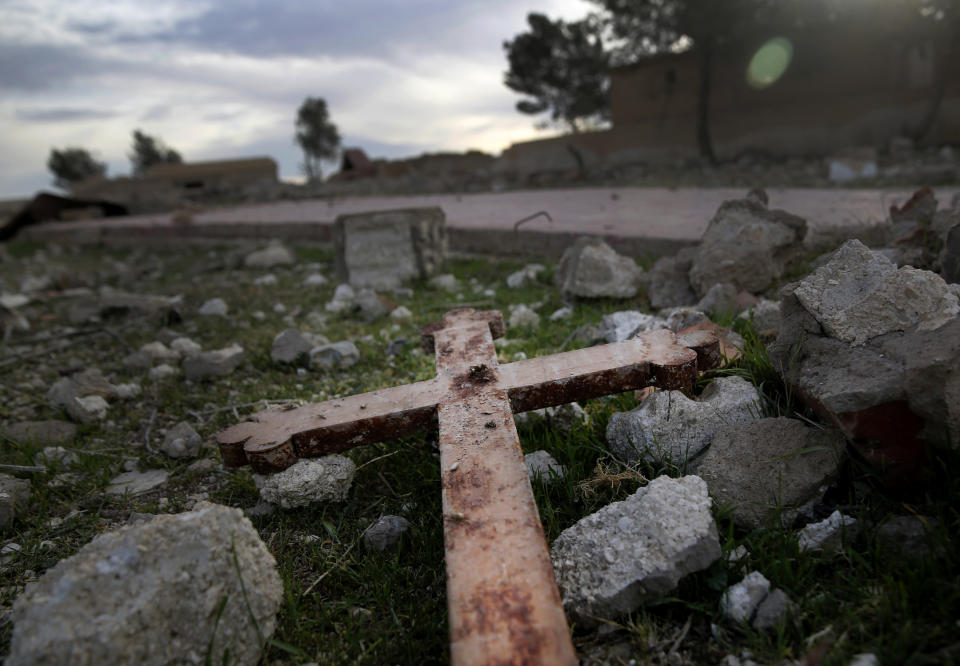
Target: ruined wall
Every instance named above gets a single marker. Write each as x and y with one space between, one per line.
164 186
844 87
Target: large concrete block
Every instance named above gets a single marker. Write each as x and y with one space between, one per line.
382 249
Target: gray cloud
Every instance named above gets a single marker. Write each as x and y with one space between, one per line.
317 27
31 67
61 114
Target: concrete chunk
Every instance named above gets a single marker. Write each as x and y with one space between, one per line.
383 249
635 550
170 590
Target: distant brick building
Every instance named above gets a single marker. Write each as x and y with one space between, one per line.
860 83
163 186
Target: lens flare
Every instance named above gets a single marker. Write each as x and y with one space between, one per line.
769 63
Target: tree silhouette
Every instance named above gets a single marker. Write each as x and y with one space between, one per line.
148 150
316 135
71 165
562 68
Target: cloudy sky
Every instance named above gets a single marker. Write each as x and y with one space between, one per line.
223 78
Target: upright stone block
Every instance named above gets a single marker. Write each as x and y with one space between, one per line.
382 249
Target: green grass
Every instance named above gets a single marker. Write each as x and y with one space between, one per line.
344 604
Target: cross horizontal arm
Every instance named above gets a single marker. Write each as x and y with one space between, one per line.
658 357
278 436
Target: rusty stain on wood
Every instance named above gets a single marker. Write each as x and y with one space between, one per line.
502 598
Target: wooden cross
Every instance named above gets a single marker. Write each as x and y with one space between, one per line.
502 597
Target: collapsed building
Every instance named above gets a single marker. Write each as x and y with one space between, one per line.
165 186
842 84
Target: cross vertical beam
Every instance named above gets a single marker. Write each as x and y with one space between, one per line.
502 597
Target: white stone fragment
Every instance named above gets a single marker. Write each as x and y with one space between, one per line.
827 534
310 480
740 601
215 307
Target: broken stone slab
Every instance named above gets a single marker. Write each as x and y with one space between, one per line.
290 346
385 533
215 307
541 466
309 480
768 469
592 269
668 281
275 254
670 427
43 433
636 550
623 325
137 483
181 441
211 364
121 598
828 534
748 245
383 249
14 498
888 392
341 355
859 294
